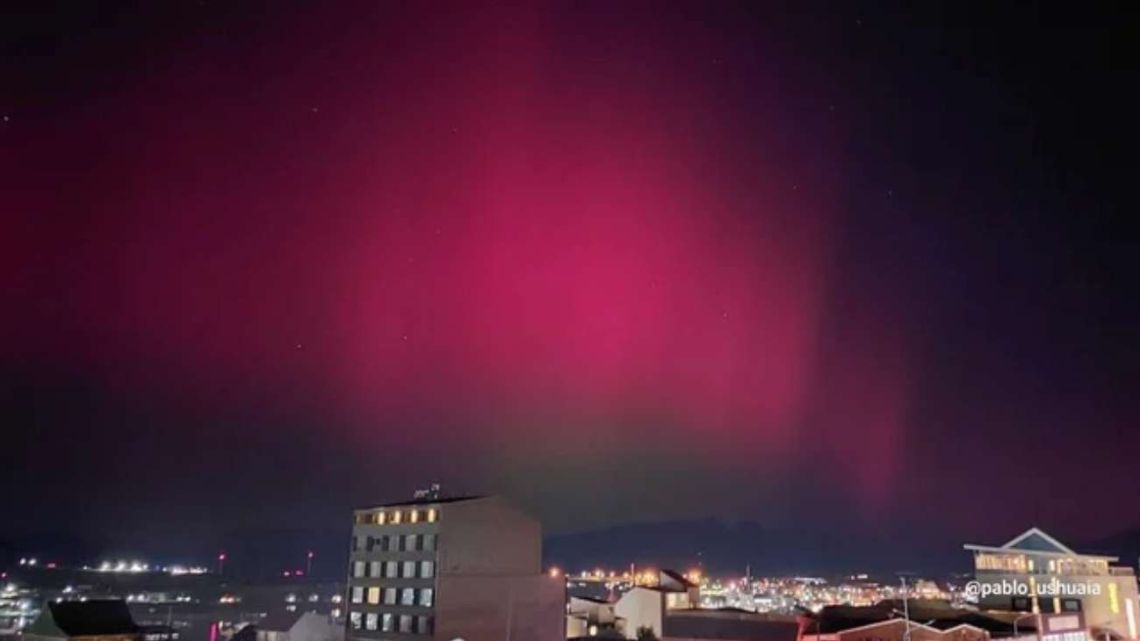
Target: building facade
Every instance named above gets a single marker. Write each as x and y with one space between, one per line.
1035 573
456 568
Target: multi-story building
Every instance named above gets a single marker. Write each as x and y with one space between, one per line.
450 568
1036 574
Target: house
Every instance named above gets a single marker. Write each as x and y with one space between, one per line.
102 620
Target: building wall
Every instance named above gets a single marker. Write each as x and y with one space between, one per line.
487 536
1102 610
500 608
641 607
895 630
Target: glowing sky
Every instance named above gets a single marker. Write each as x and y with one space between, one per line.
619 263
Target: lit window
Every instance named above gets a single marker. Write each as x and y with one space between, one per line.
408 596
409 570
358 569
389 596
427 597
432 515
427 569
386 622
373 597
354 620
370 621
391 569
374 569
414 516
357 594
381 518
395 517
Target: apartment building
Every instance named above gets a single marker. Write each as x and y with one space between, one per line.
466 568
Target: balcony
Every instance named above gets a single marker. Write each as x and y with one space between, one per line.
1121 570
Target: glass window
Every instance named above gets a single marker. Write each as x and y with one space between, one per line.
381 518
409 570
358 569
374 597
374 569
414 516
370 620
386 623
427 569
427 595
405 623
394 517
410 542
408 596
354 620
384 542
355 543
429 542
357 594
423 625
391 569
389 596
432 515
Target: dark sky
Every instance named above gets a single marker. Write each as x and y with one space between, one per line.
810 266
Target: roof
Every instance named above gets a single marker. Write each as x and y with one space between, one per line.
676 577
85 618
425 501
934 615
1036 541
727 624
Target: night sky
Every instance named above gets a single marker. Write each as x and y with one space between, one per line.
809 266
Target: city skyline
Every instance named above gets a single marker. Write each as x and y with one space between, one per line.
804 268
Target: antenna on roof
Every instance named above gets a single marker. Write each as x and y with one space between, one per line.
430 493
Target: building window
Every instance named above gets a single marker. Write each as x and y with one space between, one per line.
386 622
429 542
427 596
370 620
381 518
355 543
423 625
374 569
391 569
394 517
357 594
384 543
432 515
409 570
1071 605
405 623
354 620
413 516
389 596
427 569
373 598
410 542
408 596
358 569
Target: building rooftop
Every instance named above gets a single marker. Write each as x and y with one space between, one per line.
424 501
84 618
1036 541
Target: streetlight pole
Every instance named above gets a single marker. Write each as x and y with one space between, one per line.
221 563
309 563
906 608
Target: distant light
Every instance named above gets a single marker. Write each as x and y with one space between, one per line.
555 573
222 556
310 554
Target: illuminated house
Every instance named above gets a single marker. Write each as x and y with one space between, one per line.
451 568
1082 594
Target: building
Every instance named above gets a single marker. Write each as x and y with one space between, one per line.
929 620
294 626
451 568
1035 573
96 620
649 606
590 617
